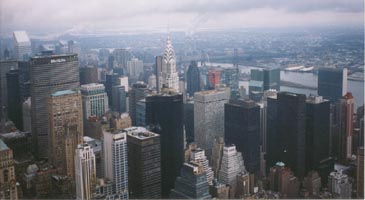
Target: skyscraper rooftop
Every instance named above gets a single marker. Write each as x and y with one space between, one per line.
21 37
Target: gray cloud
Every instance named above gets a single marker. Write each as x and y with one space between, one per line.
40 16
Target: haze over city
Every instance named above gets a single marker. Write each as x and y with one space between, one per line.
40 17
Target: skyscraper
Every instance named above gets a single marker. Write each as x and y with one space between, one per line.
49 74
170 78
317 128
346 126
65 130
110 81
94 100
197 155
5 67
191 184
14 98
214 79
332 83
242 128
193 79
119 96
158 71
8 188
22 45
209 117
189 121
85 172
273 140
291 131
164 115
283 180
232 164
360 173
264 79
339 184
230 77
116 161
144 163
88 75
97 148
134 68
141 113
138 91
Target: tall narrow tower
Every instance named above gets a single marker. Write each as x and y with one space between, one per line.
169 75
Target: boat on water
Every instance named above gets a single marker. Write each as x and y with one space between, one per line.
306 69
294 68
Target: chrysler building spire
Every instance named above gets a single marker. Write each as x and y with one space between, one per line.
169 75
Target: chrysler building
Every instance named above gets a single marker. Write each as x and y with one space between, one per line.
169 75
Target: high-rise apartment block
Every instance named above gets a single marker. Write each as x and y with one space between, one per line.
94 100
144 163
49 74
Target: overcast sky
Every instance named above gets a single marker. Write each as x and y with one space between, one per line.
82 16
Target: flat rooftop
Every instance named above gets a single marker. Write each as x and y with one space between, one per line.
63 92
140 133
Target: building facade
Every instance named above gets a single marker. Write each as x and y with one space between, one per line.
144 163
116 162
8 188
85 167
22 45
49 74
138 91
346 127
209 117
291 131
332 83
231 165
193 79
164 116
191 184
65 130
317 137
94 100
242 128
